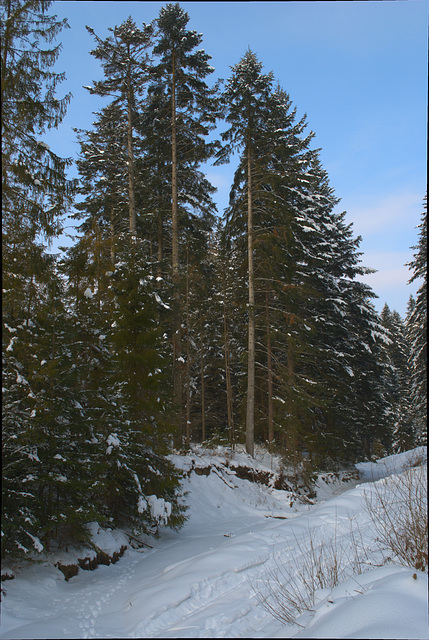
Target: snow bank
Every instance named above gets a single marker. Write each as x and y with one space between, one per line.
371 471
387 602
108 540
203 581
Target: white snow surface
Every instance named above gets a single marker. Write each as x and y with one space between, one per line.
203 581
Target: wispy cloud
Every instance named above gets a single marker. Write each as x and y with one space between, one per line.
387 278
393 212
390 282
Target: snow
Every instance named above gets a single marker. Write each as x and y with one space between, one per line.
159 301
204 580
43 145
36 542
112 441
10 345
387 602
141 505
159 508
370 471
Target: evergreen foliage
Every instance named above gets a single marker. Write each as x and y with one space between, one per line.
125 63
134 339
247 105
35 191
397 353
36 362
187 106
417 332
315 327
138 468
103 178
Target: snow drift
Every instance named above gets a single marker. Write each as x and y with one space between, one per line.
207 579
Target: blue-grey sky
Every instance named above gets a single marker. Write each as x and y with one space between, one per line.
357 69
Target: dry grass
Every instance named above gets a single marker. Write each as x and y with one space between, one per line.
290 589
398 508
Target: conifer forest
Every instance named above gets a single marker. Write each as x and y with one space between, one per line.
168 322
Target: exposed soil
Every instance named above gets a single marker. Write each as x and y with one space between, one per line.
89 564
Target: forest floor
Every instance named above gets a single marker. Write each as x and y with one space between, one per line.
222 572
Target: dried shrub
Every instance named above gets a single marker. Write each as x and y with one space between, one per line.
398 508
290 589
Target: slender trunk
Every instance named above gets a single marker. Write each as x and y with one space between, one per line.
177 368
188 361
6 38
250 408
270 372
131 194
77 285
98 265
203 408
32 287
290 361
160 230
174 211
228 377
112 237
293 443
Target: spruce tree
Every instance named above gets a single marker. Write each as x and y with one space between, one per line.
246 97
44 422
180 76
397 355
141 440
125 62
346 336
317 335
35 190
103 172
36 194
417 332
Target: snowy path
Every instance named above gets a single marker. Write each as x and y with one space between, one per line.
198 582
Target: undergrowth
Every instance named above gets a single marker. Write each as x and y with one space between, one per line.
397 507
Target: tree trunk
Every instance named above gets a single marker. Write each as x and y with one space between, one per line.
188 362
160 230
177 368
250 408
6 44
98 264
229 405
112 237
131 194
292 428
269 371
203 408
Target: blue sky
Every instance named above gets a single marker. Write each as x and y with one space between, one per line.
357 69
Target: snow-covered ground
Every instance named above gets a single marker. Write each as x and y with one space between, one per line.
208 580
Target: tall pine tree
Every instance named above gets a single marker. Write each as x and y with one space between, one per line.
246 98
125 62
417 332
179 75
36 194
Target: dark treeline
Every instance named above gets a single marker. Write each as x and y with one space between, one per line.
166 324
